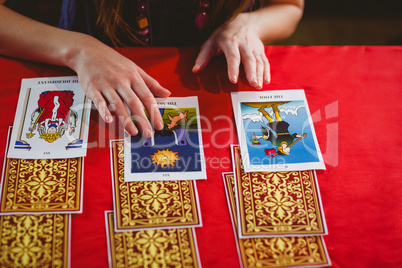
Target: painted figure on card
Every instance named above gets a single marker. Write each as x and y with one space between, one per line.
54 115
277 132
175 125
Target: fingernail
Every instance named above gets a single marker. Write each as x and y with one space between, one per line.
259 84
150 133
254 82
196 68
108 119
234 79
132 130
159 125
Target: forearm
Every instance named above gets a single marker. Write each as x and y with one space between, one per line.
109 79
24 38
277 20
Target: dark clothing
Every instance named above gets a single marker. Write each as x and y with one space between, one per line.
281 129
171 21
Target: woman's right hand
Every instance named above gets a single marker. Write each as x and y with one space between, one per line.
110 80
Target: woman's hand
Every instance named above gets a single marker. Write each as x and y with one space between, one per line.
240 41
109 79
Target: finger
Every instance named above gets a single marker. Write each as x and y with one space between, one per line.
149 102
259 69
135 105
250 66
101 106
204 56
154 85
267 69
116 105
233 60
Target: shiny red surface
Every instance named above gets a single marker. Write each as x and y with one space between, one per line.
354 95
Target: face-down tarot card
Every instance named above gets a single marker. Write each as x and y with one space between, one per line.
41 240
51 120
273 204
300 251
173 153
41 186
275 131
151 248
141 205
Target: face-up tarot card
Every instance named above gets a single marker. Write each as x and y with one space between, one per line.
37 186
175 152
51 120
301 251
272 204
35 240
151 248
275 131
151 204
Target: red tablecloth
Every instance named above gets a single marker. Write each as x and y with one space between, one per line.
354 94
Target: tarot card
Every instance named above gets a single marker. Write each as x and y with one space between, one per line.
151 248
175 152
272 204
35 240
51 120
38 186
144 205
302 251
275 131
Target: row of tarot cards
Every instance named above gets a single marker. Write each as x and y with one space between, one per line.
43 193
42 186
155 196
277 217
42 176
272 194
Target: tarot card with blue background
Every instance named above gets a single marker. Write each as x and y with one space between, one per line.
173 153
275 131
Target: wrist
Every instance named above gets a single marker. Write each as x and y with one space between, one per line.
77 48
248 21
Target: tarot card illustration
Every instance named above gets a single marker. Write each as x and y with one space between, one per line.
51 120
275 131
173 153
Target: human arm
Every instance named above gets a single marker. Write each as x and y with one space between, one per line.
242 40
105 75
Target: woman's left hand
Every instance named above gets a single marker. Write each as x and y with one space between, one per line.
239 40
